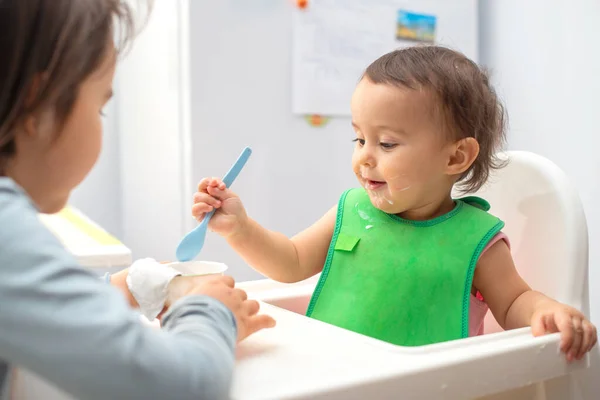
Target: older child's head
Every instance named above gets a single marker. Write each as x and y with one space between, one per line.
55 78
425 118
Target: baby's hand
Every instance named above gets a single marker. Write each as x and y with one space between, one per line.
578 335
212 194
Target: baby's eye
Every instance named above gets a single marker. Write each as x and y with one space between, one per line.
361 142
388 145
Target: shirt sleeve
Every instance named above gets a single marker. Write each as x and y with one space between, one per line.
496 238
60 322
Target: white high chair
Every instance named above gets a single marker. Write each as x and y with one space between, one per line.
306 359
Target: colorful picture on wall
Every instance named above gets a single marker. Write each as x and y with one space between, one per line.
415 27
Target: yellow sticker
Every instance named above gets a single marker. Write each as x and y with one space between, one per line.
91 230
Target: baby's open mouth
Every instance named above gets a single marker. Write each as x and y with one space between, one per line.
374 185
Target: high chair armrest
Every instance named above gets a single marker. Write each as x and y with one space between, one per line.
302 358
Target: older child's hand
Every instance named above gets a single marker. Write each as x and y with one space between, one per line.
578 335
223 289
212 194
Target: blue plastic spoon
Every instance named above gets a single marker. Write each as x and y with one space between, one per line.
192 243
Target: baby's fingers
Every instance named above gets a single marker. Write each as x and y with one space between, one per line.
538 325
210 182
204 203
220 193
576 345
199 211
204 184
205 198
589 338
563 323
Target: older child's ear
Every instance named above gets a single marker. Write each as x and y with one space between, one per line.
462 155
30 123
37 126
30 126
39 123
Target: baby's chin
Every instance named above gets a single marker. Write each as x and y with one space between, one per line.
384 203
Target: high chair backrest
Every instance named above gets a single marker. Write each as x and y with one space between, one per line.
546 226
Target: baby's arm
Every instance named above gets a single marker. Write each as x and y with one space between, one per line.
270 253
280 258
515 305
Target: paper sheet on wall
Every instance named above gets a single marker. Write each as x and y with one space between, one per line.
335 40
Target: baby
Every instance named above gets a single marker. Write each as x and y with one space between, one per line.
401 260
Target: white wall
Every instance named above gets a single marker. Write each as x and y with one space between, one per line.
99 195
152 126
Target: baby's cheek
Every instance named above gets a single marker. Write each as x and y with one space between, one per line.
399 181
398 187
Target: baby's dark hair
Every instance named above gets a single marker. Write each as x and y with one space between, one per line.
468 104
49 47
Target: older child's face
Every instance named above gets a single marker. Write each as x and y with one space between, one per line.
400 155
50 164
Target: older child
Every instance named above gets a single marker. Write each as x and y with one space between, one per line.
56 319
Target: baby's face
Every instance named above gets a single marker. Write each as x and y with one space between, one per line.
400 156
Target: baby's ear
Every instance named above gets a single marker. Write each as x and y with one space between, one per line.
462 154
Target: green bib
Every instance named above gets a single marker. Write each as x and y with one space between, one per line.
403 282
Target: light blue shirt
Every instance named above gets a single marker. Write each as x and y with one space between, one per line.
67 326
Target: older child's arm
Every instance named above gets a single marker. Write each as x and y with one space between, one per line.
281 258
515 305
59 322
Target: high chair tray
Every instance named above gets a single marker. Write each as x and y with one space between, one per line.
302 358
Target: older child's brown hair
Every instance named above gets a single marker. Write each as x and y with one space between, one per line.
48 48
469 105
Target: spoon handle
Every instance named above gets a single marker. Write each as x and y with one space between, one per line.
229 177
235 169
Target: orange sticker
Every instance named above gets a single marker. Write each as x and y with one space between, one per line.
302 4
316 120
